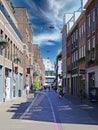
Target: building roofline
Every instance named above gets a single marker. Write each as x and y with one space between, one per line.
88 3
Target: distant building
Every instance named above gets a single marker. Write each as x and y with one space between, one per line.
38 66
48 65
49 71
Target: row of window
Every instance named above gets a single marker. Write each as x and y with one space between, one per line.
91 44
11 51
91 22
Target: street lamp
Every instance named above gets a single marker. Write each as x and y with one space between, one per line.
3 44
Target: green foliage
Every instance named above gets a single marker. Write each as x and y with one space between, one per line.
35 84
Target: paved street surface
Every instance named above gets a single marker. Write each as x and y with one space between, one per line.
46 111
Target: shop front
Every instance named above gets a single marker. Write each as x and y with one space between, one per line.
93 89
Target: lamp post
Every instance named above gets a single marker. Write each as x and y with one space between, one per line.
3 44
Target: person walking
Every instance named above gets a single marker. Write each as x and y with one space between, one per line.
27 90
81 95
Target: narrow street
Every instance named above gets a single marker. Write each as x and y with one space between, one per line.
46 111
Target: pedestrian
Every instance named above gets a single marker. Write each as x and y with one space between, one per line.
27 90
81 95
60 92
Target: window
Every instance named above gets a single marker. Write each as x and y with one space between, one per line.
1 33
93 47
88 24
93 42
84 50
84 27
76 34
72 58
91 79
5 52
93 54
64 38
93 20
79 53
76 55
72 41
89 57
89 46
0 51
80 32
5 37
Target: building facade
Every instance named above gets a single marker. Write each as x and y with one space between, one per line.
11 79
16 51
26 32
91 44
39 68
81 49
49 71
64 56
82 53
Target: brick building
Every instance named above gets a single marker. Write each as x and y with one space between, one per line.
82 39
11 50
16 51
91 14
25 30
39 68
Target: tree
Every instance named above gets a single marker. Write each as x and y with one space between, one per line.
35 84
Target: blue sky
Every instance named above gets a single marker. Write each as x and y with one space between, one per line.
46 17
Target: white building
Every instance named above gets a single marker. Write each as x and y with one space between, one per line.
48 65
49 71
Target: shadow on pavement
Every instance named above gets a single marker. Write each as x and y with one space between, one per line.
65 110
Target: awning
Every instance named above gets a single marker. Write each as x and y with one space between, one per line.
3 44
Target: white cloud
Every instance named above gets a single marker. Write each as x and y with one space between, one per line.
57 9
31 4
45 37
54 14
